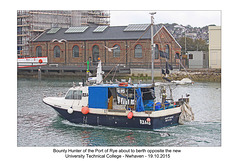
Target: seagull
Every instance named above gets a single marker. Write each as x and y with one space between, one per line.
140 81
110 49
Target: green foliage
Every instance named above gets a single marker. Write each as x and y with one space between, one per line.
193 45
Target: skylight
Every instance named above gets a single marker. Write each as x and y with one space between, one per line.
136 27
76 29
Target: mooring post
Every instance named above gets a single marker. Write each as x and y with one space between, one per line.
39 73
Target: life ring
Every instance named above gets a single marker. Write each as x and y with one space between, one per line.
123 84
40 61
85 110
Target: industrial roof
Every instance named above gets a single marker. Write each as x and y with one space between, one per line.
130 32
110 33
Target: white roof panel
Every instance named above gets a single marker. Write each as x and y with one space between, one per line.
136 27
76 29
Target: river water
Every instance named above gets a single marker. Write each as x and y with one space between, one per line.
39 125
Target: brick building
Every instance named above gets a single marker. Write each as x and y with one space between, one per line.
132 45
31 23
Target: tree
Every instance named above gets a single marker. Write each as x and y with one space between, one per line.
193 45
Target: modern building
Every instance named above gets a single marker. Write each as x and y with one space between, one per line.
197 59
126 45
31 23
214 47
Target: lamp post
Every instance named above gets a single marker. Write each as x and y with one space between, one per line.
185 44
152 44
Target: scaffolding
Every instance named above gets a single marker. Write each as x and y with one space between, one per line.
31 23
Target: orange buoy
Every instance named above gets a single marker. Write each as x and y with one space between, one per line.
85 110
130 115
40 61
148 119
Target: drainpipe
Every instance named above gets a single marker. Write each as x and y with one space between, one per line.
65 52
85 52
105 53
126 52
47 51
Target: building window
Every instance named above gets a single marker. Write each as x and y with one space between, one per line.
56 52
177 56
167 51
38 51
138 51
157 52
95 53
116 52
75 51
190 56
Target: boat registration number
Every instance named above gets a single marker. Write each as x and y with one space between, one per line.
144 122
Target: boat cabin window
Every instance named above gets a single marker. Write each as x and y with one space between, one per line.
74 94
148 93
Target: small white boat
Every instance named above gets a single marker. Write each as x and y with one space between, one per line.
183 81
26 62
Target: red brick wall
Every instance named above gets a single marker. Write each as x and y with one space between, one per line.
42 45
85 50
51 58
70 58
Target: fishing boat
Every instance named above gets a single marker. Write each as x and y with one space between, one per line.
26 62
121 104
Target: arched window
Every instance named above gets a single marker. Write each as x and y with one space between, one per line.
95 53
167 51
138 51
75 51
38 51
157 52
116 52
56 52
177 56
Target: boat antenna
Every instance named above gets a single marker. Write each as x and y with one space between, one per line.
152 45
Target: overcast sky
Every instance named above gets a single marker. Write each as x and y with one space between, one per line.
193 18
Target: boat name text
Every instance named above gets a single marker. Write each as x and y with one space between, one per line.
167 119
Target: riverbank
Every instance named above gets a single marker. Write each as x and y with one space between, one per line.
199 75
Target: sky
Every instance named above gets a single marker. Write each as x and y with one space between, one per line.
187 17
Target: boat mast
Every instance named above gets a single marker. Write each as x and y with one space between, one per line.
152 44
99 72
